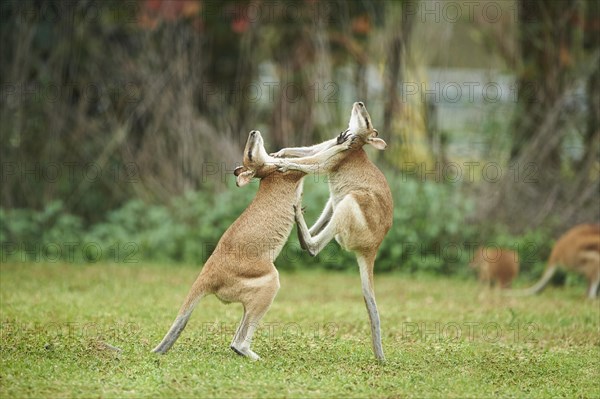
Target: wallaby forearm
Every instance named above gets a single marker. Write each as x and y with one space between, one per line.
323 218
305 151
319 162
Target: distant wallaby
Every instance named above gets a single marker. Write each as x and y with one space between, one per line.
578 250
359 211
496 266
241 267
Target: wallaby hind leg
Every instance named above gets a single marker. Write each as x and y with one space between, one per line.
323 219
315 244
340 215
257 302
239 329
366 264
593 288
592 270
594 282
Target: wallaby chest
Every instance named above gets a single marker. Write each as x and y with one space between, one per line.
356 174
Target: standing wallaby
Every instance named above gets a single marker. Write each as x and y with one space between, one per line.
578 250
241 267
359 211
496 266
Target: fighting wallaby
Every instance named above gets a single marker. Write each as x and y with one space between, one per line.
496 266
241 267
359 211
578 250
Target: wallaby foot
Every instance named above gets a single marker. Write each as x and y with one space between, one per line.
247 352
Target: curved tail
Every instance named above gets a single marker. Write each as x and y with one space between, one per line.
538 287
195 294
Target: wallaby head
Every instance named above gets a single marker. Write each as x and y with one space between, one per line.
360 125
256 160
496 265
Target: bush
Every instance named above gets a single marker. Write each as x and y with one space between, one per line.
430 231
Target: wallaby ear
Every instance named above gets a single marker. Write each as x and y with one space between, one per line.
244 177
377 143
239 170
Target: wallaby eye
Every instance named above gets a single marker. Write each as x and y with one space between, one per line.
367 123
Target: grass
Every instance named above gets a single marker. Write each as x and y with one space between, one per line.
442 338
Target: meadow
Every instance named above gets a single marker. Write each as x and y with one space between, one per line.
442 338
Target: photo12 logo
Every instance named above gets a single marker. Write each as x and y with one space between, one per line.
71 329
489 332
54 252
66 12
35 92
470 171
53 172
490 12
270 92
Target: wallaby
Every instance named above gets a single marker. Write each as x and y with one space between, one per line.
578 250
359 211
496 265
241 267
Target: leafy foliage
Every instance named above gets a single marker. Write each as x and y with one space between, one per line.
431 231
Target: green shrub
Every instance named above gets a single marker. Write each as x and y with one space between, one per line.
431 232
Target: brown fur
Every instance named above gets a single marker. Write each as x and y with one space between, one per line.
359 211
577 250
496 266
241 267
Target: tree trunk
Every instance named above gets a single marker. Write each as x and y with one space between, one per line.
532 188
592 45
398 47
545 40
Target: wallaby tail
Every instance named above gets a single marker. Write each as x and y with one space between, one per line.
538 287
195 294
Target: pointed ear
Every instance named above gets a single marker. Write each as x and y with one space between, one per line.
244 178
238 170
377 143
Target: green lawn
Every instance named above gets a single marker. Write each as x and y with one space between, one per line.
442 338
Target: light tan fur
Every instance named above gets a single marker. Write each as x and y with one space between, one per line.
577 250
241 267
359 211
497 266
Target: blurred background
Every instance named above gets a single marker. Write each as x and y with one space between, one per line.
121 122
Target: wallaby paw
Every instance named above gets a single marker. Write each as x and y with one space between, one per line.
298 210
278 154
343 136
283 167
349 143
